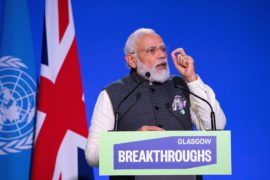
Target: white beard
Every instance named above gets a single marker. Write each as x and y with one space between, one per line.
156 76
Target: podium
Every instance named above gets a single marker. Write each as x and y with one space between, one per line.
165 153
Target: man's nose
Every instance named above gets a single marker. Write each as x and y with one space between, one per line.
161 53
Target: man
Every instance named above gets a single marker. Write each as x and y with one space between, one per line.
158 104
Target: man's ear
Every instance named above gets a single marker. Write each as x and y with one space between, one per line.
131 61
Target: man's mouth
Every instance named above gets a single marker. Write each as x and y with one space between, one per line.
162 65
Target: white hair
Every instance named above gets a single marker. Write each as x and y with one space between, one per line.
133 38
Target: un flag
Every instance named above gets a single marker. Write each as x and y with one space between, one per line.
17 91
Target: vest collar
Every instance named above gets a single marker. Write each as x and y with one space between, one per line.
135 76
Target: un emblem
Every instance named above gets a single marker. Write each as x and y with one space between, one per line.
17 106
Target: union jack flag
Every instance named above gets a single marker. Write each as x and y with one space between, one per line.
61 127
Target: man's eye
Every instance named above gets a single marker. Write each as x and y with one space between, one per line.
152 51
163 49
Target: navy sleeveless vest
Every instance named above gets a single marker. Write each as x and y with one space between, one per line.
156 104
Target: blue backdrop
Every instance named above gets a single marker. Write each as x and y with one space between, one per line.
229 40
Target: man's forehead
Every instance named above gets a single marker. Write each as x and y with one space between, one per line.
150 40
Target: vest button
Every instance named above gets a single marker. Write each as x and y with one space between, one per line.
156 107
152 89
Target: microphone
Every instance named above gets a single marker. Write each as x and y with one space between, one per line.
138 97
177 82
146 77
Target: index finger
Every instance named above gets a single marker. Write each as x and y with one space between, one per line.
178 51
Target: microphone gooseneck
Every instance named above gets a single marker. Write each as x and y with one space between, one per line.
146 77
212 113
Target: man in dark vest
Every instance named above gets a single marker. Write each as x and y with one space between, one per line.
157 104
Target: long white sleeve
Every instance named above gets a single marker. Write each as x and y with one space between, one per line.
102 121
200 111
